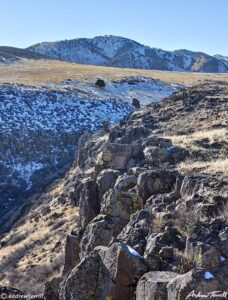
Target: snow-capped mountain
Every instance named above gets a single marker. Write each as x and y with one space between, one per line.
222 58
122 52
40 126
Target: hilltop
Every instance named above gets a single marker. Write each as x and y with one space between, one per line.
121 52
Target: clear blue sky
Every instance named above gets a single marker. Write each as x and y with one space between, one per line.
168 24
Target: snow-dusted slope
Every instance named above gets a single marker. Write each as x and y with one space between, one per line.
40 126
39 129
10 55
122 52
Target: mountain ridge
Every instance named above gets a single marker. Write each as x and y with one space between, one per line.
118 51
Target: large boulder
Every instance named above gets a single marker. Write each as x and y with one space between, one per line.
200 284
155 154
153 285
157 242
119 156
125 267
72 251
136 231
107 273
120 204
100 83
125 183
106 180
88 280
203 255
89 206
155 182
99 232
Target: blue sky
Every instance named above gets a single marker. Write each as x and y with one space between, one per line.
169 24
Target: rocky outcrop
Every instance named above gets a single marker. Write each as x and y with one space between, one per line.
144 228
153 285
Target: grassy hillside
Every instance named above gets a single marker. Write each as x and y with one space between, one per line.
47 71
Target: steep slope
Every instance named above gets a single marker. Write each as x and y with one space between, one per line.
10 55
121 52
40 127
137 212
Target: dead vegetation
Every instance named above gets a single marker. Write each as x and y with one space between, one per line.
204 159
47 72
33 252
209 167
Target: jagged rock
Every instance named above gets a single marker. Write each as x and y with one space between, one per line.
89 205
166 252
106 273
136 231
153 285
125 182
86 281
125 266
72 251
155 154
155 182
106 180
212 235
120 204
203 255
99 232
133 135
136 171
190 186
201 282
119 156
155 242
136 103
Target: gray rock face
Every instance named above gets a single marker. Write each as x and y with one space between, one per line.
99 232
120 204
119 156
199 281
108 272
72 251
89 204
106 180
136 231
155 182
153 285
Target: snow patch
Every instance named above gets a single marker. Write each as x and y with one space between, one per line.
133 252
208 276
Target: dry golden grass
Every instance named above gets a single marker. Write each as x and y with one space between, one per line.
34 249
186 141
209 167
47 71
